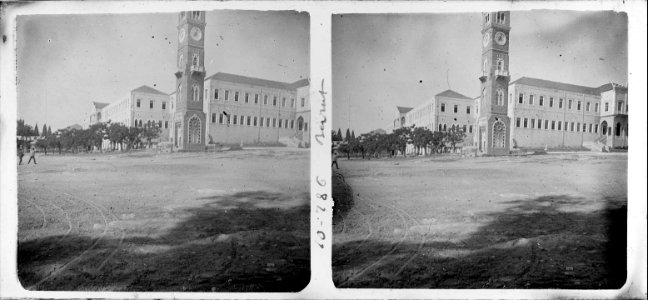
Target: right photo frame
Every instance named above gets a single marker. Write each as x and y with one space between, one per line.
480 150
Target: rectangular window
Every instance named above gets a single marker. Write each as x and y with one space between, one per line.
286 123
274 122
468 109
578 105
578 127
256 98
242 120
138 102
546 124
164 105
235 120
569 104
220 119
464 128
442 107
166 124
559 125
260 121
521 98
274 101
456 108
584 127
526 122
530 99
619 106
236 94
151 104
596 106
517 122
280 123
226 95
470 128
595 128
213 117
292 102
216 94
249 121
553 125
539 123
607 106
265 99
283 102
550 101
255 121
247 98
303 102
590 127
587 106
292 124
532 123
572 126
560 103
541 101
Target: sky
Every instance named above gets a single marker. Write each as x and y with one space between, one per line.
381 61
67 61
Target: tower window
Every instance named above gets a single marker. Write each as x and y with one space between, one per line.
138 102
501 17
521 98
303 102
456 108
468 109
164 105
619 106
196 93
500 97
194 61
607 106
500 64
151 104
442 107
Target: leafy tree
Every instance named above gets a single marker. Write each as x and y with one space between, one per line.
96 134
404 137
133 137
150 132
117 134
454 136
42 143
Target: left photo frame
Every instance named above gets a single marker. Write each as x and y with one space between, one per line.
163 152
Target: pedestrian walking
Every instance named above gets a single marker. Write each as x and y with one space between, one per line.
334 158
32 155
21 153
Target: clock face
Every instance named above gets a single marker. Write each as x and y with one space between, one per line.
181 35
500 38
486 39
196 34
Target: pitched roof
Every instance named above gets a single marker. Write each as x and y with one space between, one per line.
148 90
608 86
403 110
99 105
257 81
557 85
300 83
452 94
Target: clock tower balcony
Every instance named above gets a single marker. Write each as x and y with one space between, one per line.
483 77
501 73
179 73
198 70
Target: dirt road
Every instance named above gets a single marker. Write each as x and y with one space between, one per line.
547 221
228 221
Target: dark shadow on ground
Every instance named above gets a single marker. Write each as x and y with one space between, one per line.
240 242
342 197
532 244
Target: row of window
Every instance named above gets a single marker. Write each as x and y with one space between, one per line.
151 102
556 125
258 121
455 108
236 96
571 104
149 123
443 127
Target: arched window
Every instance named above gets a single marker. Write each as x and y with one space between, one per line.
440 127
179 94
196 93
604 127
300 123
402 121
194 60
499 134
444 127
193 134
485 67
181 61
500 64
305 126
500 97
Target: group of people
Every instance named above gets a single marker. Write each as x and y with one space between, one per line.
32 155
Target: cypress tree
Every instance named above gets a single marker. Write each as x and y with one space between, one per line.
347 137
36 130
44 131
339 135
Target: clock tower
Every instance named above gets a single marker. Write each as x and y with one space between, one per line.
493 123
188 132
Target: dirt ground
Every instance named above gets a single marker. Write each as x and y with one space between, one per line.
544 221
227 221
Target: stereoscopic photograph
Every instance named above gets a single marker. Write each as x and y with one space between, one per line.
163 151
480 150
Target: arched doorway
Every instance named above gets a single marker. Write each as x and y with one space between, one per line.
604 127
300 123
499 134
617 129
193 134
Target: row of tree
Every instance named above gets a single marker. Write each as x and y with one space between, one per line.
337 137
423 141
74 140
25 130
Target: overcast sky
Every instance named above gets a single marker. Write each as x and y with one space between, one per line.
384 61
67 61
